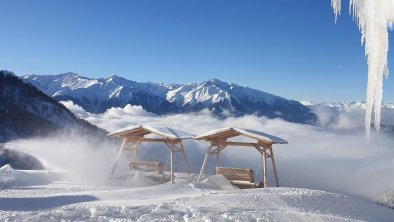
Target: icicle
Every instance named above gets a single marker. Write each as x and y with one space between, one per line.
373 18
336 5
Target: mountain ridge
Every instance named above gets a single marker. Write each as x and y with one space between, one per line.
26 112
347 106
98 95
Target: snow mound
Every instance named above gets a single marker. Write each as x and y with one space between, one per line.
138 179
215 182
10 177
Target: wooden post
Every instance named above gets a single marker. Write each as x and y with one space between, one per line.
117 157
134 152
204 163
274 166
217 157
172 163
265 166
185 159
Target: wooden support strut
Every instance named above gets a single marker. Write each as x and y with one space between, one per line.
265 166
172 163
117 157
185 159
217 158
216 151
134 147
170 145
274 166
204 163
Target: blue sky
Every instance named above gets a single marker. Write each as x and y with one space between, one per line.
285 47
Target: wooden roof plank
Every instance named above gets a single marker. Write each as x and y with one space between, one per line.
229 132
143 130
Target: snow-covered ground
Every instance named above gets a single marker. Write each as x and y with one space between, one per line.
212 200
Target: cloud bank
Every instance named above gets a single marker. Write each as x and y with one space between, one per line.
331 158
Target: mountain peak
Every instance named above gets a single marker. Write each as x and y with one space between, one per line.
216 82
98 95
116 80
69 74
115 77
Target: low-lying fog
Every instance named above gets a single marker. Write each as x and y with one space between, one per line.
331 157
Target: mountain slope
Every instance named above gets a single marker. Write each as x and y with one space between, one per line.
346 106
25 111
221 98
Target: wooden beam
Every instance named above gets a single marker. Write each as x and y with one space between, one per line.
152 140
230 143
142 139
117 157
185 159
172 164
134 148
217 149
222 135
274 166
133 133
217 158
204 163
169 145
265 166
259 149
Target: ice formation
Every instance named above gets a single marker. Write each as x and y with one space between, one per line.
374 17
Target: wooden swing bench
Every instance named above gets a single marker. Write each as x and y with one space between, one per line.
242 178
147 166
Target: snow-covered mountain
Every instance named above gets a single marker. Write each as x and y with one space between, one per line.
221 98
25 111
347 106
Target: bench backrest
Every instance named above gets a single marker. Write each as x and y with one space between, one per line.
236 173
146 166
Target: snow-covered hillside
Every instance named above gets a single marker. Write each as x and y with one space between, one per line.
98 95
25 111
213 200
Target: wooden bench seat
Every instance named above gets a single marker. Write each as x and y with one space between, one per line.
242 178
147 166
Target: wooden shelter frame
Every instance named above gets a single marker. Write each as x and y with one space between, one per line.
132 140
219 141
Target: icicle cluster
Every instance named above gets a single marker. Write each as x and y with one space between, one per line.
336 5
373 18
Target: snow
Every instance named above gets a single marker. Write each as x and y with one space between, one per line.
10 177
182 95
374 18
136 197
212 200
386 199
247 132
160 130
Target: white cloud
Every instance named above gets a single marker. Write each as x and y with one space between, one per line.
328 158
76 109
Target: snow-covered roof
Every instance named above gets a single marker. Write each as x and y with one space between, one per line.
142 130
232 132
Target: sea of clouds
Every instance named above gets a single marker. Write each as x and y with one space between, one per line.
331 156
